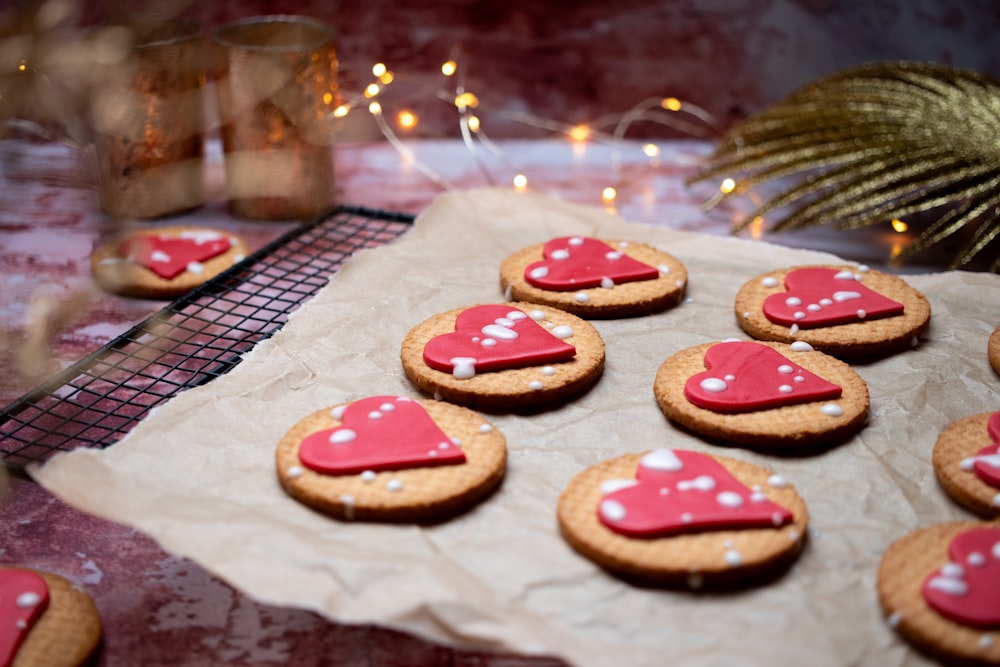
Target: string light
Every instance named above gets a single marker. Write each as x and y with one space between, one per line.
520 182
378 69
406 120
727 186
341 111
474 123
579 133
22 66
375 109
466 101
671 104
449 68
899 225
651 150
609 195
372 90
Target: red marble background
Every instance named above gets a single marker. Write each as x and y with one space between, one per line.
578 61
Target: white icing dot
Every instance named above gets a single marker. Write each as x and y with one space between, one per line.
375 414
432 453
548 370
663 268
757 497
713 385
110 260
200 236
368 476
794 329
799 315
623 244
729 377
793 301
976 559
612 510
799 378
563 331
801 346
814 308
861 314
29 599
485 428
846 295
387 407
832 410
686 517
516 316
238 258
394 485
699 483
560 254
986 641
20 624
826 302
607 283
968 464
733 558
785 388
776 519
729 499
463 368
488 342
536 385
996 500
293 472
995 551
500 331
508 293
537 315
581 297
785 368
952 570
539 272
894 619
948 585
456 441
504 322
612 485
159 256
342 435
661 459
769 281
613 255
845 275
347 499
679 283
777 481
195 267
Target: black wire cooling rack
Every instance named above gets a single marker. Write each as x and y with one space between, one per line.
197 338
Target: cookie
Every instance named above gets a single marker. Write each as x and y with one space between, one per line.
682 518
938 589
594 278
845 311
966 460
993 349
762 394
164 262
512 355
47 621
391 458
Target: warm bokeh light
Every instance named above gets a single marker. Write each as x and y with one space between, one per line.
579 133
386 78
378 69
466 101
375 108
327 98
609 195
23 66
899 225
671 104
520 182
406 120
341 111
651 150
372 90
449 68
474 123
727 186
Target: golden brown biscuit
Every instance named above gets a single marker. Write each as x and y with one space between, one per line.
662 288
695 554
416 482
954 458
804 425
164 262
865 337
993 349
905 566
573 347
65 634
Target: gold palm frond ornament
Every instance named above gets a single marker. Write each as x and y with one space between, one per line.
873 144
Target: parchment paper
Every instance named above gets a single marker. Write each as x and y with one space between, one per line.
198 474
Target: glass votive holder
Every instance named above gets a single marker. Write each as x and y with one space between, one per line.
150 122
276 83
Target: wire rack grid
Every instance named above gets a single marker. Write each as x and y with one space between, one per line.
191 341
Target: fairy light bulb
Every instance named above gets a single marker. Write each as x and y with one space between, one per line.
520 182
379 69
22 66
341 111
372 90
466 101
328 98
579 133
727 186
375 109
671 104
449 68
609 195
651 150
899 226
386 78
474 123
406 120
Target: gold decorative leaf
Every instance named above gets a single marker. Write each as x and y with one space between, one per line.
876 143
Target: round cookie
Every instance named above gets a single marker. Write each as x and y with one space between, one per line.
164 262
66 633
804 425
553 355
613 295
993 349
905 566
699 553
398 465
863 335
953 459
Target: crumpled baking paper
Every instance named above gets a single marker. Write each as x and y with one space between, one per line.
198 474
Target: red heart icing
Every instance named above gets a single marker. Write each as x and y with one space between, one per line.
578 262
822 297
24 596
379 433
743 376
496 337
986 462
678 491
167 256
967 589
